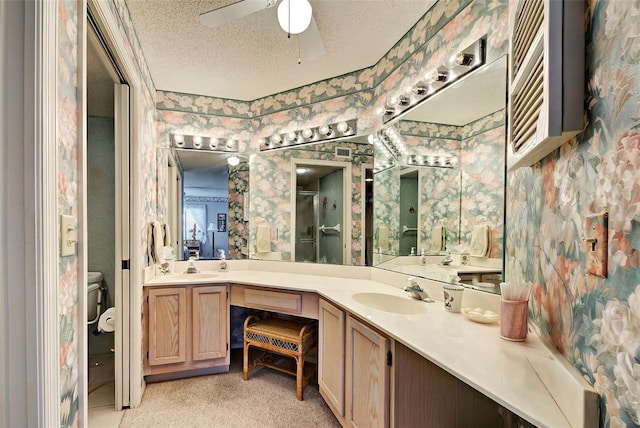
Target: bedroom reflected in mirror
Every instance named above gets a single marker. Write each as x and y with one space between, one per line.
205 203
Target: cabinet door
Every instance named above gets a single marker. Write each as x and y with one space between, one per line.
167 325
331 355
367 376
209 312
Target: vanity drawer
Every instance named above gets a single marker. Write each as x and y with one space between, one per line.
298 303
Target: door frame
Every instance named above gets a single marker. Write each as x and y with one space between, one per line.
363 210
29 306
347 179
109 24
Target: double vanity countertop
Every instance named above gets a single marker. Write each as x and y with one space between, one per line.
528 378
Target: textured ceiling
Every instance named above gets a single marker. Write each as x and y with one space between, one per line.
251 57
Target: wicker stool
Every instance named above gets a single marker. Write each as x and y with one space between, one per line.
288 337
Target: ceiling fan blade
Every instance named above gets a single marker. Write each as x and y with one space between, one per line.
311 41
234 11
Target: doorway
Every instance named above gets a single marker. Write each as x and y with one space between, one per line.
106 347
321 214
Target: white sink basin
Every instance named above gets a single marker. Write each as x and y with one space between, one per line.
391 303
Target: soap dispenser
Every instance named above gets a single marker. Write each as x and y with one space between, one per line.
423 257
223 266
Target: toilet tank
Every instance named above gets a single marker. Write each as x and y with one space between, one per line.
94 281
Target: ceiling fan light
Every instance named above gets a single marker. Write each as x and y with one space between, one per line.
300 15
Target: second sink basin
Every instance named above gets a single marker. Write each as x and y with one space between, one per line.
391 303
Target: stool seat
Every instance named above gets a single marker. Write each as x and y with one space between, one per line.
289 337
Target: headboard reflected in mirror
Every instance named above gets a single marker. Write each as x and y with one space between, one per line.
442 195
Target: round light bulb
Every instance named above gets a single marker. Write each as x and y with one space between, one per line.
276 139
307 133
342 127
233 160
213 143
197 142
178 140
291 136
450 61
294 16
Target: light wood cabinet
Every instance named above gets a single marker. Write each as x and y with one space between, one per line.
331 361
167 326
187 331
298 303
209 317
353 373
366 376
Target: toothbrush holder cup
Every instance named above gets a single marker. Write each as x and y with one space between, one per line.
513 319
453 297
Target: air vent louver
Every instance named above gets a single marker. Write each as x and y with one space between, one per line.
546 85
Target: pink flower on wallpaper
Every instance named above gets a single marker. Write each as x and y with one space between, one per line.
549 185
618 182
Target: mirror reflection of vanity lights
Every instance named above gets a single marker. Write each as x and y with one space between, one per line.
438 138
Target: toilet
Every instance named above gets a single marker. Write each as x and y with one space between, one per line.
94 296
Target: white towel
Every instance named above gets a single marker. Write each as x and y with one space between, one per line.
383 238
479 240
158 242
167 235
437 238
263 238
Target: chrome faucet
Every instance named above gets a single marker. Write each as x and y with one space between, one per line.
447 260
192 266
416 292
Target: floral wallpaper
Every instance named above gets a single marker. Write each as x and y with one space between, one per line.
593 321
482 160
68 175
237 227
439 205
386 210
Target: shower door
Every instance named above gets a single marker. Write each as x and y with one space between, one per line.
306 226
331 242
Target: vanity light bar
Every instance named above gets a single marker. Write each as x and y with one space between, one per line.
181 141
332 131
439 161
454 67
383 159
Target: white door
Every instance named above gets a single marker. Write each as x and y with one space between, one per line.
122 284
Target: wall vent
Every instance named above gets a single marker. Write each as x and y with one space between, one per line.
343 152
546 78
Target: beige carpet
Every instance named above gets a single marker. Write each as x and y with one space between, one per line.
267 399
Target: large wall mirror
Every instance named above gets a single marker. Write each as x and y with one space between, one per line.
444 197
205 203
309 203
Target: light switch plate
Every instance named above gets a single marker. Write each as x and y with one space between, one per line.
596 237
68 235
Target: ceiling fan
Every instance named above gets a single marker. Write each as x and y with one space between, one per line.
294 16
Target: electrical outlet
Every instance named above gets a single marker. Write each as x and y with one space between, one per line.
68 235
596 238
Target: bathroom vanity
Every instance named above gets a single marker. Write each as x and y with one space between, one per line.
187 330
388 364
